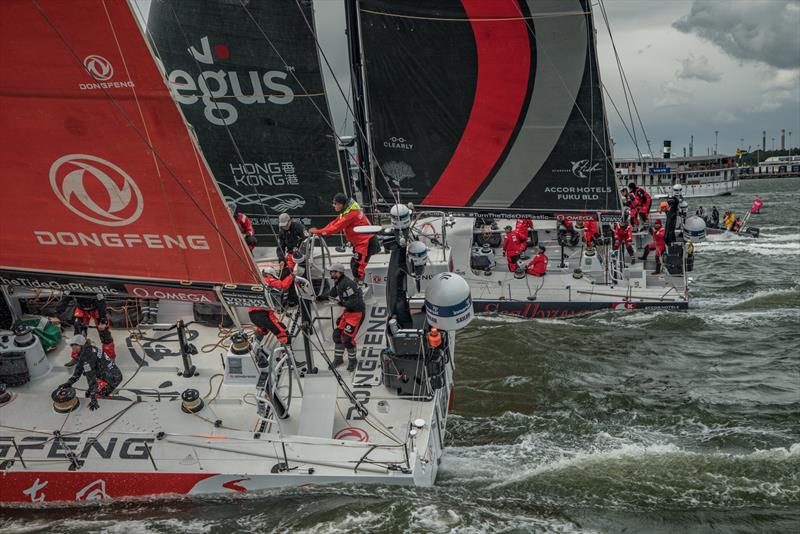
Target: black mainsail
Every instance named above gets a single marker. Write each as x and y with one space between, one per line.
248 79
495 107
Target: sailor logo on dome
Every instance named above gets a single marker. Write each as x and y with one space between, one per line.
96 189
99 67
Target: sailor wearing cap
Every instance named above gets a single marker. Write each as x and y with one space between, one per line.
291 234
350 216
349 296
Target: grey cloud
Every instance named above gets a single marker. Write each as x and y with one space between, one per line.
764 31
698 68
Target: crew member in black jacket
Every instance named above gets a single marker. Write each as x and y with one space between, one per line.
102 374
349 296
290 236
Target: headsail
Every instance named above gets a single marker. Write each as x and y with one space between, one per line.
86 201
248 79
488 106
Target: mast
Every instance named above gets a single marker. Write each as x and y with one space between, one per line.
365 174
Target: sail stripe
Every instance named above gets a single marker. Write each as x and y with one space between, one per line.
561 55
501 88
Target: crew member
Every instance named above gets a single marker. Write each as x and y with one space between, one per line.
522 230
350 216
88 307
729 220
511 248
290 235
265 320
643 202
657 244
737 225
566 228
244 225
282 280
714 217
349 296
673 205
102 374
590 232
538 265
623 235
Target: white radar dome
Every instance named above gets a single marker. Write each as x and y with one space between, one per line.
695 228
400 216
418 253
448 303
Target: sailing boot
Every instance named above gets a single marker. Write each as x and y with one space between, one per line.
351 359
338 359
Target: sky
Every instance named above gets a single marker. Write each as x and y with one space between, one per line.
694 67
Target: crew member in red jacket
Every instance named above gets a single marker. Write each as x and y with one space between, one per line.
282 279
643 201
623 235
244 225
522 230
590 231
538 265
511 248
350 216
657 244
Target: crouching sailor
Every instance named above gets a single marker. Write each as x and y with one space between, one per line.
102 374
538 265
349 296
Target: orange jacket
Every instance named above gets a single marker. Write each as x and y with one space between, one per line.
346 222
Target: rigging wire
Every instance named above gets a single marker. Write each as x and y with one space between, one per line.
325 118
626 84
362 135
216 105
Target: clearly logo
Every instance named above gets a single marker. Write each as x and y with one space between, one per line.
398 143
214 88
99 67
96 189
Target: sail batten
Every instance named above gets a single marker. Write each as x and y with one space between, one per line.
480 106
101 177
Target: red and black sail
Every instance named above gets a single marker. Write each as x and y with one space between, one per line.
482 106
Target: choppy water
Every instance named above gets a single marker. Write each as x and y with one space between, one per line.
646 422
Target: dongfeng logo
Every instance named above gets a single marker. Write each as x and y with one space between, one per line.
96 189
99 67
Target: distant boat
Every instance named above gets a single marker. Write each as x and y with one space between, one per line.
701 176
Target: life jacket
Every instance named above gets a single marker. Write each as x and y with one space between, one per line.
346 222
